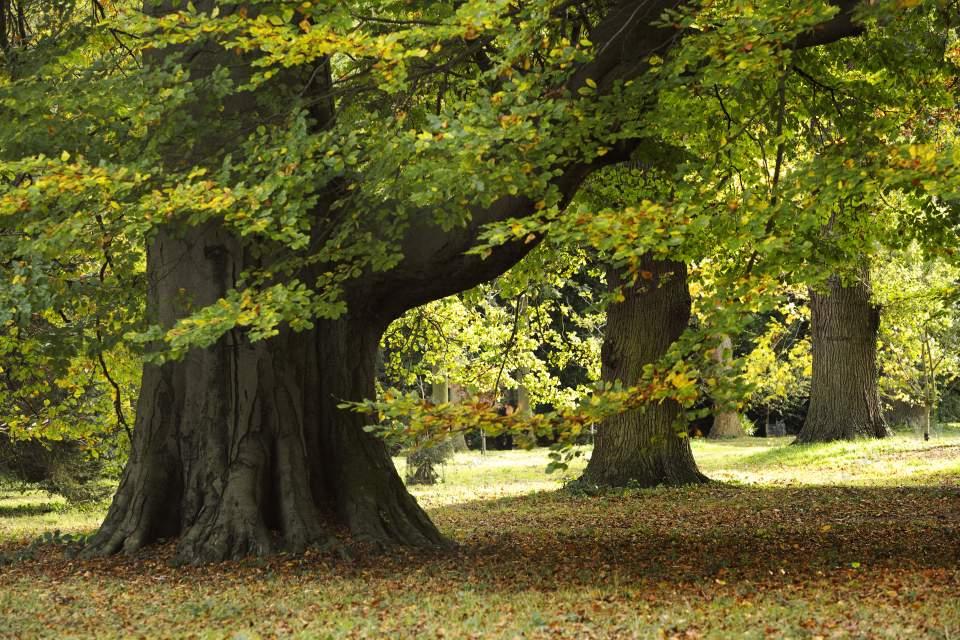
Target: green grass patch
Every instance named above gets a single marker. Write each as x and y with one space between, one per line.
25 515
904 459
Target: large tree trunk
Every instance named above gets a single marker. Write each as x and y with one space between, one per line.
642 447
239 448
726 424
844 401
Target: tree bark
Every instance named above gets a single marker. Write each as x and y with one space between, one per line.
844 400
642 447
726 424
239 448
458 441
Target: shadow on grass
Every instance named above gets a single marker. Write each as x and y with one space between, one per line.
756 537
27 510
557 540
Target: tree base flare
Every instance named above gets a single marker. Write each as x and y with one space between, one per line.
240 449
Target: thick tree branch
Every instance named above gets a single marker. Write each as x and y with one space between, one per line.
841 26
435 264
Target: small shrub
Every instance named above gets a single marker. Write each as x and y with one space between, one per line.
421 463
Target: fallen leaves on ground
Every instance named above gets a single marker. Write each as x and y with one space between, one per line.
698 562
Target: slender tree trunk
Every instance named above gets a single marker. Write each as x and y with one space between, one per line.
239 448
525 409
523 402
4 36
726 424
929 385
844 401
642 447
422 459
458 441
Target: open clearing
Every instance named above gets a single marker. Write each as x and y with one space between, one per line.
841 540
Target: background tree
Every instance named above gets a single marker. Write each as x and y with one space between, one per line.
726 422
844 397
920 337
641 446
767 186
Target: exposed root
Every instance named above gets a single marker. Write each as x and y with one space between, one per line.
393 522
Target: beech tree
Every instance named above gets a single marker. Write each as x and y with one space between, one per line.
726 422
298 177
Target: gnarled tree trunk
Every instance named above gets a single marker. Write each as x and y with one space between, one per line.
642 447
239 448
844 401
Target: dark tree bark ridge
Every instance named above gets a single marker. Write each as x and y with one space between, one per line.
240 448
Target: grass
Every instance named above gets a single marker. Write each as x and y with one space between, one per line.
839 540
26 515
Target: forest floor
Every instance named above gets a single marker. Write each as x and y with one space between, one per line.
841 540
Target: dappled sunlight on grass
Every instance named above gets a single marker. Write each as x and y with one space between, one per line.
903 459
712 455
472 476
